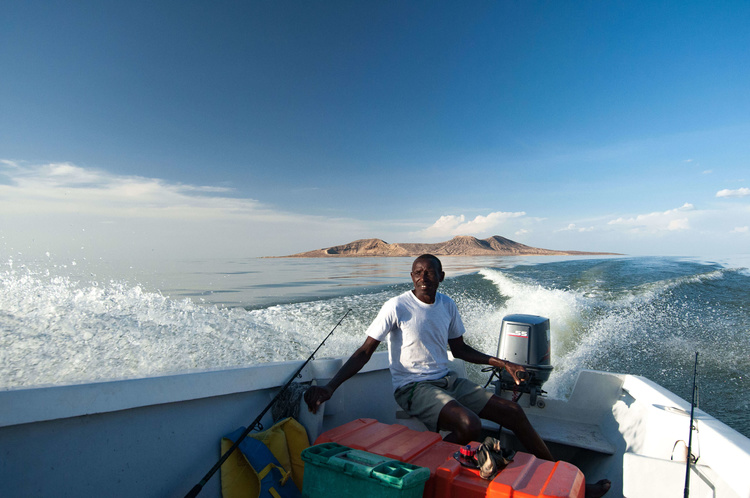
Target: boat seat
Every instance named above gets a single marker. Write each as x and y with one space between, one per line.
413 423
407 420
570 433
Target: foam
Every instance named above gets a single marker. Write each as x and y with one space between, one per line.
59 330
626 330
62 324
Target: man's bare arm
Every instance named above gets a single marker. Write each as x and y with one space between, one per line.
463 351
317 395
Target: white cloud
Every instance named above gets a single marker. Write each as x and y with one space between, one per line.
671 220
61 206
64 187
452 225
678 224
573 228
740 192
744 229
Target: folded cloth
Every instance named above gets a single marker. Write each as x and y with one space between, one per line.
492 458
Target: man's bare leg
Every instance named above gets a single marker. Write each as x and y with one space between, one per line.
464 424
511 415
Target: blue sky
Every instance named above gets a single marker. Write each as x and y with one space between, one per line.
198 129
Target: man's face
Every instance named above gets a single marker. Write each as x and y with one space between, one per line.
426 277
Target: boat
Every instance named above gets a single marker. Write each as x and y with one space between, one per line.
157 437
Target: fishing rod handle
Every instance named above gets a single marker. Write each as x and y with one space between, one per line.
194 492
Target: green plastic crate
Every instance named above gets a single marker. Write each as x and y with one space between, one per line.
335 470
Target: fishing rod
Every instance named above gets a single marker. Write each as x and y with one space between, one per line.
256 423
690 437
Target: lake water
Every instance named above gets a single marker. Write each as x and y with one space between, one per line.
65 322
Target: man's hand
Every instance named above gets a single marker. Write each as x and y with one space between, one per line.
316 396
518 372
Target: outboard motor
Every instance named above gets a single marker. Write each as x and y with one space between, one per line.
524 339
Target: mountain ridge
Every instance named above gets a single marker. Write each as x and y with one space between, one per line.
461 245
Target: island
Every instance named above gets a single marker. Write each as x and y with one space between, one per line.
462 245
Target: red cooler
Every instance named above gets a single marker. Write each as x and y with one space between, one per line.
525 477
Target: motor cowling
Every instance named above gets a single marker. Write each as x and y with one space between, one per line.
525 340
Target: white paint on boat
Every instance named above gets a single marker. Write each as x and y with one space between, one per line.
159 436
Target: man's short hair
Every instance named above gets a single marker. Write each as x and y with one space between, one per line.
430 257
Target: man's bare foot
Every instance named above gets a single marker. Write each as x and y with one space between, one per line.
598 488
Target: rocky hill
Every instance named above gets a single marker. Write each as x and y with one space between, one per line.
462 245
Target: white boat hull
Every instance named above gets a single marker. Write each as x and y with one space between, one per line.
159 436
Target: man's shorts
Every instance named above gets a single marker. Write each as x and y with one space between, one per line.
426 399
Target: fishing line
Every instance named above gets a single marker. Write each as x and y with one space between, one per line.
256 423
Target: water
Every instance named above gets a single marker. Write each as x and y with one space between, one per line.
79 321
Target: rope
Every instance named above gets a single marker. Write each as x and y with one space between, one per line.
288 403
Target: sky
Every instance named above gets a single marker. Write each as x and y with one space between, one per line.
184 129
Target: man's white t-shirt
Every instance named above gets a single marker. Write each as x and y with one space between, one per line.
417 336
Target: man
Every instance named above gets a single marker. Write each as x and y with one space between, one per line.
419 324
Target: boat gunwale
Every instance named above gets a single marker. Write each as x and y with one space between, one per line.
45 403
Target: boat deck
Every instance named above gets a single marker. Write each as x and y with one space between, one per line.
581 435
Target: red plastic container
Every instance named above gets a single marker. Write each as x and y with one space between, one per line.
525 477
394 441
